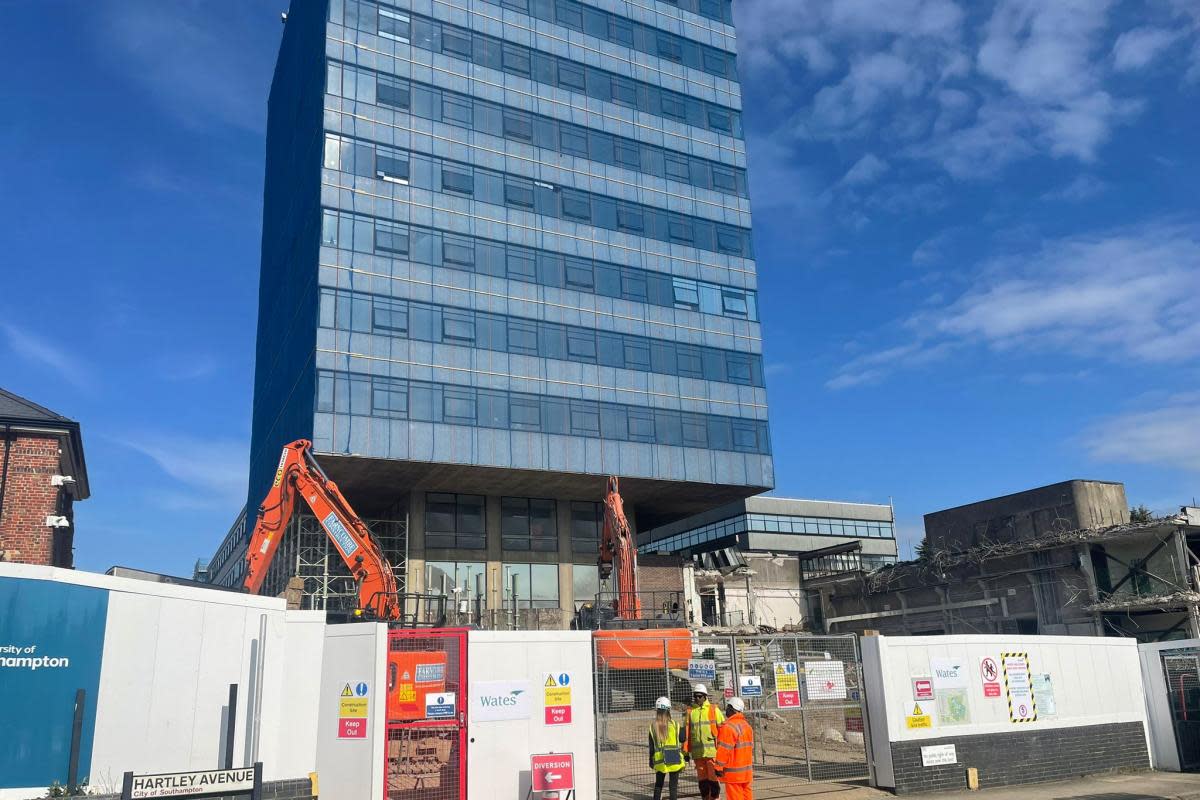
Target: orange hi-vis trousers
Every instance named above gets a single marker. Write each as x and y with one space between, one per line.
738 791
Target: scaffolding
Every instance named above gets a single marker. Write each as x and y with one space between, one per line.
307 553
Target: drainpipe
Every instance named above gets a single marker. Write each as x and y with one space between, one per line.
4 469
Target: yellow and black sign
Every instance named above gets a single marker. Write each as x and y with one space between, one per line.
1018 685
558 689
347 691
352 707
918 718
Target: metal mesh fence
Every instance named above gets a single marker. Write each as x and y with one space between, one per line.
803 698
423 763
425 758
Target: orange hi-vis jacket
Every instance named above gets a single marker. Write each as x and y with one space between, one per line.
735 750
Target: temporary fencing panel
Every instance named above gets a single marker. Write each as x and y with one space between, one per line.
803 695
426 729
1183 692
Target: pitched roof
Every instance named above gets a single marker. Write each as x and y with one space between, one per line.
19 413
15 407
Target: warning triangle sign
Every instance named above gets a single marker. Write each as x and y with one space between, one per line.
917 712
346 692
550 681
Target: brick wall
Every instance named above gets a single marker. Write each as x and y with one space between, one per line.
660 573
1031 756
29 498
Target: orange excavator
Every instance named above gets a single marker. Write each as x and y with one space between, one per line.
618 554
634 651
300 474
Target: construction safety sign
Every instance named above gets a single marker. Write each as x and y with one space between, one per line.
787 684
918 718
353 711
1022 706
557 688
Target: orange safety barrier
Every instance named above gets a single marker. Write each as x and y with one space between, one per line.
644 649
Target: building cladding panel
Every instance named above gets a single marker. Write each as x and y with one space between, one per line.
511 234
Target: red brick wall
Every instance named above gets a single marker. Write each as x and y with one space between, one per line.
660 573
29 498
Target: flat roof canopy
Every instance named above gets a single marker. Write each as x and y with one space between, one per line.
375 485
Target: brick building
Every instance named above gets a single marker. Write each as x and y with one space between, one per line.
42 474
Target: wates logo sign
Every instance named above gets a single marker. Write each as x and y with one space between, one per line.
509 700
500 700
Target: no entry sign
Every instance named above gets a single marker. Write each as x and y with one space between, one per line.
552 772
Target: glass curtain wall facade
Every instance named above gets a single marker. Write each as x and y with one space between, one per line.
513 235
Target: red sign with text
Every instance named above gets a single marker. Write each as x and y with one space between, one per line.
991 690
552 772
788 699
352 729
558 715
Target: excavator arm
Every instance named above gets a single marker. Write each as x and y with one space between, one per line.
618 553
299 474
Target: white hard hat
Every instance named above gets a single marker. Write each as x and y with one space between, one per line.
700 688
737 704
662 704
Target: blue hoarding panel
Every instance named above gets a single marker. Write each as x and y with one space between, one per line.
51 644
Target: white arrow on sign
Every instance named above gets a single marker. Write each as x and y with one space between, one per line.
551 777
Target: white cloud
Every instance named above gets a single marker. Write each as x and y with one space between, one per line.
1126 296
1043 51
188 366
1122 294
790 187
62 364
867 169
216 468
1139 47
874 367
1083 187
195 61
919 81
934 249
1168 436
872 82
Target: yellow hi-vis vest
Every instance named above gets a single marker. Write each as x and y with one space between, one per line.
702 722
666 754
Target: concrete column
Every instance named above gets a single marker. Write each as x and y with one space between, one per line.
1084 554
495 585
494 553
566 570
416 542
566 591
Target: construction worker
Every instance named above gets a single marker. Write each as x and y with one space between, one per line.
700 740
666 749
735 752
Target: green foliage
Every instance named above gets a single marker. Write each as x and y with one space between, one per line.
923 552
1140 513
58 790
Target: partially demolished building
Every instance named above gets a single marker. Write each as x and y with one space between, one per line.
1059 560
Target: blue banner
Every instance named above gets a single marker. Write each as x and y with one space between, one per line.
51 644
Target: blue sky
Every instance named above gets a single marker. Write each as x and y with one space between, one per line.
977 228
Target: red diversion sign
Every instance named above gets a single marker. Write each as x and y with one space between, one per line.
552 772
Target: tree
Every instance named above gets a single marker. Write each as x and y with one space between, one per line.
1140 513
923 552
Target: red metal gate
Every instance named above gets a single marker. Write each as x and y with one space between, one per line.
427 715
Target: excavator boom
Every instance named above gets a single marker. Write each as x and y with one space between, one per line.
618 553
299 474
